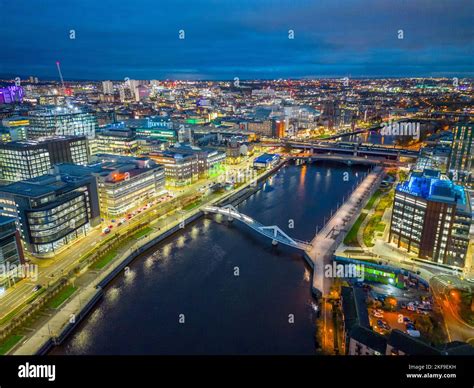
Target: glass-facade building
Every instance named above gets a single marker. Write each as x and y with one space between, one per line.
461 160
20 160
11 252
62 121
51 210
431 218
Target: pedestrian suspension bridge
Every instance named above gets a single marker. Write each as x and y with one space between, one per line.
272 232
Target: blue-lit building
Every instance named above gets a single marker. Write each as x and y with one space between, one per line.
431 217
266 161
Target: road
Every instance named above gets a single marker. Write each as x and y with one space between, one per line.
67 259
457 329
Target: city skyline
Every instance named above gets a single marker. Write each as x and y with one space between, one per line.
256 178
212 40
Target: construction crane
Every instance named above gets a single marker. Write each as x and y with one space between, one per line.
58 65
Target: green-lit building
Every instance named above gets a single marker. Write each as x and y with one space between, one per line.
164 134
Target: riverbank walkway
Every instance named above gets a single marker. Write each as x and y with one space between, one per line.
331 235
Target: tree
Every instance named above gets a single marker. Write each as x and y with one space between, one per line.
424 324
390 303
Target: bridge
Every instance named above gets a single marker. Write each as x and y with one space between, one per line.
346 159
349 148
272 232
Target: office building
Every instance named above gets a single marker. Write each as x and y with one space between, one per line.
124 183
11 253
116 139
180 169
17 127
148 145
164 134
261 128
61 121
461 160
431 218
107 87
51 210
20 160
184 164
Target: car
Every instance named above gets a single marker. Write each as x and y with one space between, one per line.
410 326
376 314
37 287
119 223
386 326
122 220
112 221
407 320
106 230
403 305
414 333
380 323
110 226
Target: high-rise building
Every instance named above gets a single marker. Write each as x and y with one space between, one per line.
62 121
461 160
51 210
20 160
107 87
431 218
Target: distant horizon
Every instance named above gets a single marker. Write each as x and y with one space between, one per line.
10 77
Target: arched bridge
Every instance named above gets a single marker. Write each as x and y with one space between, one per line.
273 232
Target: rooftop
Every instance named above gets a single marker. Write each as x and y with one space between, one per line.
42 185
265 158
41 141
429 185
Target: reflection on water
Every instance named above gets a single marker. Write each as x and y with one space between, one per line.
233 287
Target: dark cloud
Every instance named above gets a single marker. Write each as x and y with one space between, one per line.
246 38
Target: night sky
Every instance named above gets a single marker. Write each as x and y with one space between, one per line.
224 39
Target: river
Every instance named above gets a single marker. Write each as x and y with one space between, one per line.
217 287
